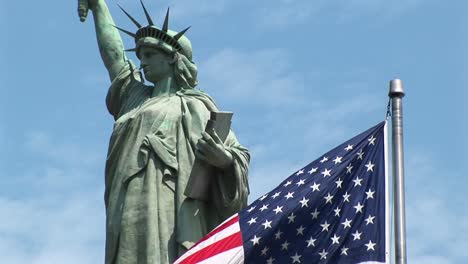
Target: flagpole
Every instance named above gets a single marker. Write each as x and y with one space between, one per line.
396 95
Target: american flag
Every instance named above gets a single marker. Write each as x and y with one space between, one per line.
334 210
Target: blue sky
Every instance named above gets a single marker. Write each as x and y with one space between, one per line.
301 76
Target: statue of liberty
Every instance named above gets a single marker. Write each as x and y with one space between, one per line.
159 131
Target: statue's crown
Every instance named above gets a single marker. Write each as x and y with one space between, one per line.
177 41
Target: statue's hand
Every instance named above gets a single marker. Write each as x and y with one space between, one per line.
211 149
84 6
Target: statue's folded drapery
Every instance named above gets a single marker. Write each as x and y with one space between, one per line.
151 152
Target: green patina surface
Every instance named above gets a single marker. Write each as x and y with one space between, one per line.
158 133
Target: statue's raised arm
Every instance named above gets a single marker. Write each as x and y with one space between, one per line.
108 38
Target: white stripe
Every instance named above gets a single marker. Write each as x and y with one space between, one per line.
232 256
387 198
371 262
230 230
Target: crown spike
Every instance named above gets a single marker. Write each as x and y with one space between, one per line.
150 22
131 50
166 21
129 16
125 31
180 34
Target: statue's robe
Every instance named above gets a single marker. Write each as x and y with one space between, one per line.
151 153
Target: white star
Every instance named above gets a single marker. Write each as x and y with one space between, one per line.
360 154
370 220
347 223
300 230
370 245
252 220
291 218
325 226
337 211
335 239
311 242
315 214
255 240
315 187
270 260
349 147
289 195
338 183
278 209
267 224
278 234
357 235
349 169
324 159
300 172
346 197
323 254
264 251
263 197
301 182
313 170
276 195
337 160
370 166
359 207
344 251
326 173
285 245
357 181
370 194
287 183
304 202
328 198
264 207
372 140
296 258
251 209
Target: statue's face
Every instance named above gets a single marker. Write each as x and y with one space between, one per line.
155 64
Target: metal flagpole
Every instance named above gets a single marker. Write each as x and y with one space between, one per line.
396 95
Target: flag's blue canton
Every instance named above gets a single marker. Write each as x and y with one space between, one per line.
330 211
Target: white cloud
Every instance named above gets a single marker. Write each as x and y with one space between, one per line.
38 230
436 216
179 9
54 212
382 9
281 12
260 78
286 13
70 150
184 8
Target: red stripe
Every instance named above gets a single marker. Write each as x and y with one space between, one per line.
227 243
218 229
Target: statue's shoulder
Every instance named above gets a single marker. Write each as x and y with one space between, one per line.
199 95
127 90
195 93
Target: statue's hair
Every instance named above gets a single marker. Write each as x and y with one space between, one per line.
185 71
